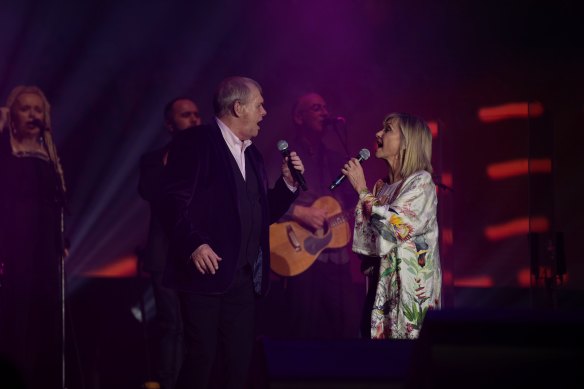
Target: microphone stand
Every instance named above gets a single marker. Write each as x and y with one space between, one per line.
343 140
62 295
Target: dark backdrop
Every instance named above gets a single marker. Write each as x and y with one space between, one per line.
108 67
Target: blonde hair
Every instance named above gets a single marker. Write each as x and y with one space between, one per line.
416 145
48 138
21 89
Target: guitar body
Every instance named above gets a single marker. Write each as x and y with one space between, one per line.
294 247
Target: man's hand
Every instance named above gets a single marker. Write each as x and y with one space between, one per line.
298 165
205 259
311 216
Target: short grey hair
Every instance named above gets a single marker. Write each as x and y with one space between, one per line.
229 91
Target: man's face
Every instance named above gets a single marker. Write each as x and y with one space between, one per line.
185 114
252 113
311 112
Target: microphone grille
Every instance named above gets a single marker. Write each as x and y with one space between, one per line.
282 145
365 154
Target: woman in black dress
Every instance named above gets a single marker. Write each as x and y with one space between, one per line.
32 191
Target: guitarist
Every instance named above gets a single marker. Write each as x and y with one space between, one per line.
321 301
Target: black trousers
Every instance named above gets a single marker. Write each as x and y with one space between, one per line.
322 304
30 329
219 325
168 335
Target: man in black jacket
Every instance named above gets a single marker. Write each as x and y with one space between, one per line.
179 114
218 208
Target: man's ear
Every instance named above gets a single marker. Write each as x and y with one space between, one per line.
298 119
237 108
169 127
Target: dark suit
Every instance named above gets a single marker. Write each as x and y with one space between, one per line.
168 323
150 189
201 206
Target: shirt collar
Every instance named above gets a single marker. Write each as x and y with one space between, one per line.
230 138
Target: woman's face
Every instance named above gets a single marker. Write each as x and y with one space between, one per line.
388 140
26 113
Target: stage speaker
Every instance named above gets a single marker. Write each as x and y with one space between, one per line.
339 364
495 349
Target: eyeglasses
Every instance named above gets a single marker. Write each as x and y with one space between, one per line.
318 108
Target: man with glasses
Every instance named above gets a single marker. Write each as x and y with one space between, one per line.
321 300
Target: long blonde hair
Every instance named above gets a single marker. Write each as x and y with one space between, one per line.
48 138
416 145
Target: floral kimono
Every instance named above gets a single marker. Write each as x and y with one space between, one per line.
397 223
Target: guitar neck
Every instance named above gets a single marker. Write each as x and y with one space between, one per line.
339 218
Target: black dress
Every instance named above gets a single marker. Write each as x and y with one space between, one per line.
30 251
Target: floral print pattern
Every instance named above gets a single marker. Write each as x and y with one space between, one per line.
397 223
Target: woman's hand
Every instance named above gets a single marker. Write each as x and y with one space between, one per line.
354 172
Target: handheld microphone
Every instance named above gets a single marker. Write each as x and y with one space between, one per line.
39 123
333 120
42 128
283 147
363 156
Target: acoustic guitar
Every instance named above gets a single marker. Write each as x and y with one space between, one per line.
295 247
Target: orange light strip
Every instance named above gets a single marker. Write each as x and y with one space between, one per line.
447 278
510 111
517 227
524 277
122 267
447 236
433 125
447 179
474 282
518 167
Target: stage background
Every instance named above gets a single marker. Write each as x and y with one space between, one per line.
500 82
